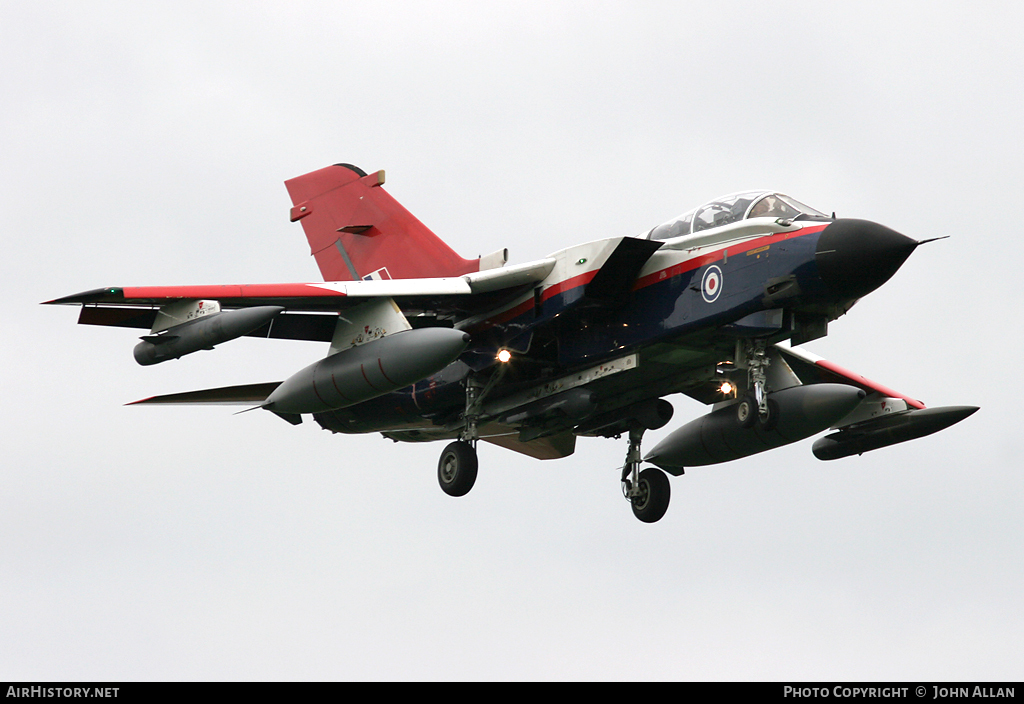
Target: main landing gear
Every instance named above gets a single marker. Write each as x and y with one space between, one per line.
648 491
456 470
756 408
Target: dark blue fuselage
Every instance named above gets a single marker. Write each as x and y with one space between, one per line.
559 329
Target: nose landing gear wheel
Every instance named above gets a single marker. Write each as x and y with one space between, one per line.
456 470
651 503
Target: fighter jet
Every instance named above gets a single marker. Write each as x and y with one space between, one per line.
589 341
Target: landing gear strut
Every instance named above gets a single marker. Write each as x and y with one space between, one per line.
457 468
756 407
648 491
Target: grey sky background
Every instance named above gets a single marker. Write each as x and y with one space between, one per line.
148 143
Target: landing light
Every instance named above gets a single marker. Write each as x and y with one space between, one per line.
726 388
504 356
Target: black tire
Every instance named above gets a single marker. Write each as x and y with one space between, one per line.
768 422
456 470
655 492
746 411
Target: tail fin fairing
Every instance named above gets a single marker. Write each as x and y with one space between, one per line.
356 230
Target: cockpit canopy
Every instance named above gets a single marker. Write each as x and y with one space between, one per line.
733 208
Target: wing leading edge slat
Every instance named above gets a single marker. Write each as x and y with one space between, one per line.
326 296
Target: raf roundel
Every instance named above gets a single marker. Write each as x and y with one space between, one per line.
711 284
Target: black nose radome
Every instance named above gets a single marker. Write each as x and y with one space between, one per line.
855 257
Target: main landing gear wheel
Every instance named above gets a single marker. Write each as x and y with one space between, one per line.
769 420
746 411
648 491
651 503
748 415
456 470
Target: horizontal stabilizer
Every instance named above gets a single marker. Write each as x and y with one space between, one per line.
244 395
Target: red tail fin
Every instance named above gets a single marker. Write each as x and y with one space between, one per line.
356 230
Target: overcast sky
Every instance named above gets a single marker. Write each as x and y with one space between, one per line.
147 143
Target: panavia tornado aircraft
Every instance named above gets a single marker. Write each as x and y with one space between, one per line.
426 345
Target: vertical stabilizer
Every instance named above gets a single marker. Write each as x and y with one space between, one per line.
356 230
